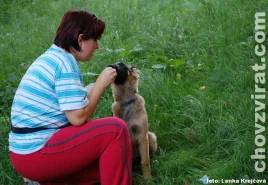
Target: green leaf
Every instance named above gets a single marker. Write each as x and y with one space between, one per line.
159 66
137 48
90 74
177 62
124 52
157 58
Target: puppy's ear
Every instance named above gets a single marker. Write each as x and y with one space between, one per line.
134 70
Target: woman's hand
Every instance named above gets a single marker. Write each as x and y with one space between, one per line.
107 77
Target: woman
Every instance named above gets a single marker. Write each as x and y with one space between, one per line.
50 140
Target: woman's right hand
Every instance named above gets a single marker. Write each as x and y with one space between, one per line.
107 77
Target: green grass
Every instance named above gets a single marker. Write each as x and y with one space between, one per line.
200 132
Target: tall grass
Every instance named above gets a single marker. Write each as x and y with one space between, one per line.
201 131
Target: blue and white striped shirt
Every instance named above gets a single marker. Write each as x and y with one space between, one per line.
51 85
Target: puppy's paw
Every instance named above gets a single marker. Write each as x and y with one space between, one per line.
152 143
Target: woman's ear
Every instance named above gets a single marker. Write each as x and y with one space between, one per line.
79 40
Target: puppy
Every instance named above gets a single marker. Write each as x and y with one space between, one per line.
129 106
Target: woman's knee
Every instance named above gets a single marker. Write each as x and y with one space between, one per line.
117 122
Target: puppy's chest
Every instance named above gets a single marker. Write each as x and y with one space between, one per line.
128 112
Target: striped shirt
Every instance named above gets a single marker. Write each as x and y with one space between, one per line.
51 85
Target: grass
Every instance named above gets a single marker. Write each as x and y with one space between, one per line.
201 131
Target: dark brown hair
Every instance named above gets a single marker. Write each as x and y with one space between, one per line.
74 23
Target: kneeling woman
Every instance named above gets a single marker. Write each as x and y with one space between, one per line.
51 140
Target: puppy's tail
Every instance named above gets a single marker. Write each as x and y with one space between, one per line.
152 143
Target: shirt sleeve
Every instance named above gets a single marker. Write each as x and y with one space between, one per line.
89 87
70 91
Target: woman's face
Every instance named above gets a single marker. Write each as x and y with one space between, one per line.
87 49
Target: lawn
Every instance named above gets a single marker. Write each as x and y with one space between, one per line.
195 58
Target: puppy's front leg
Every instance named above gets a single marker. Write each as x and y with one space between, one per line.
116 110
145 158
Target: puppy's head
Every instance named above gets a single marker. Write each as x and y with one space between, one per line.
125 73
126 82
122 72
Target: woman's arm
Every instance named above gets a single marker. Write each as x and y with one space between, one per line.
80 116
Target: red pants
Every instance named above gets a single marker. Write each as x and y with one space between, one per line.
98 152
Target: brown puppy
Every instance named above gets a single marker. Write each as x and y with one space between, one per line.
129 106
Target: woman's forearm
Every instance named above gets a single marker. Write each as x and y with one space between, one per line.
80 116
